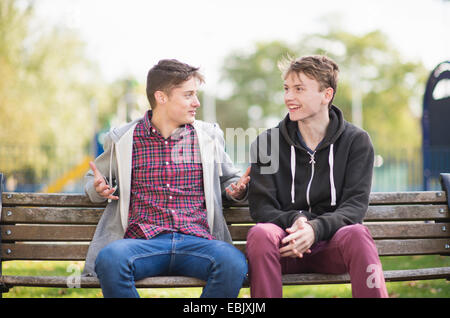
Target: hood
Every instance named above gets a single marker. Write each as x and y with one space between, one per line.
335 128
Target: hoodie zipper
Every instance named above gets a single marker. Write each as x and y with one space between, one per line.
312 162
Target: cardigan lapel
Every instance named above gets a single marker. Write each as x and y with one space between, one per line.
207 151
124 152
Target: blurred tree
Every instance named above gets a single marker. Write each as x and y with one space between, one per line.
388 86
50 94
255 83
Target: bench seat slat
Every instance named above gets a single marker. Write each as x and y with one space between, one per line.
181 281
92 282
390 276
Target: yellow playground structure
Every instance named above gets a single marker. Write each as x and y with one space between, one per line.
76 173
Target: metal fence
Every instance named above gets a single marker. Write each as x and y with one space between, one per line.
398 170
28 169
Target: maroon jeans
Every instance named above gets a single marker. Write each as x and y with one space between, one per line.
351 250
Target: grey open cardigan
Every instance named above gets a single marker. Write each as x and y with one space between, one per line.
115 164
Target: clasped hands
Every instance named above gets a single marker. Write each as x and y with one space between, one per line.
299 239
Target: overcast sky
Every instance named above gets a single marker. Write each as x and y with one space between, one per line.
127 37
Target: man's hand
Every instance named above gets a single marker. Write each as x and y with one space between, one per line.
238 189
100 185
299 240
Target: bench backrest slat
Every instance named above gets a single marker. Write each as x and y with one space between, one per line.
379 231
81 200
75 233
408 197
51 215
47 199
44 251
72 215
64 233
408 212
52 251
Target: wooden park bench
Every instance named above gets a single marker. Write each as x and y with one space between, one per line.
38 226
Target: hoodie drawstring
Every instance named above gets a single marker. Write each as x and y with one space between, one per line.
332 186
331 164
293 174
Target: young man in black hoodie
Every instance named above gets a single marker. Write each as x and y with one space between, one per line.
311 178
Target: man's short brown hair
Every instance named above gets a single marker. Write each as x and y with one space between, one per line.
319 67
168 74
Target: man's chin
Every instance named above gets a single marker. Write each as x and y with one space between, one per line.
294 117
188 120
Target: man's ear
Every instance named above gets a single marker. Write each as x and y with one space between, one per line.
160 97
328 95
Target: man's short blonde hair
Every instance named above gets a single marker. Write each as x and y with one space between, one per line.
319 67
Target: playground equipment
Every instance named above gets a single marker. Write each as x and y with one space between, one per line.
76 173
435 125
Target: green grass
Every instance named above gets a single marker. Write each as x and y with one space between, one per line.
423 289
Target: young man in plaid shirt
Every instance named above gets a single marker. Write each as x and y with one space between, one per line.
165 176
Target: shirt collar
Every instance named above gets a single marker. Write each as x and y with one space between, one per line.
178 133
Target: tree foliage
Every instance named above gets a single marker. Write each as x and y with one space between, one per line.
390 86
48 93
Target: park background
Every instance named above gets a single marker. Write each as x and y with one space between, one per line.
72 69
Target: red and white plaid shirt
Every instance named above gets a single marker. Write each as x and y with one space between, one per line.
166 183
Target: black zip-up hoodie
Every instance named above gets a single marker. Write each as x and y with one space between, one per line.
330 186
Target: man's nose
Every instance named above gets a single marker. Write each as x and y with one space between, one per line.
196 102
287 96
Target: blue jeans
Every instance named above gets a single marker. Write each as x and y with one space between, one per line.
122 262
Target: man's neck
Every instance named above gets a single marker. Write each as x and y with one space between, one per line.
164 125
313 131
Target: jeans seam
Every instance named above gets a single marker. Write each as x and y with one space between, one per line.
139 256
207 257
211 259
